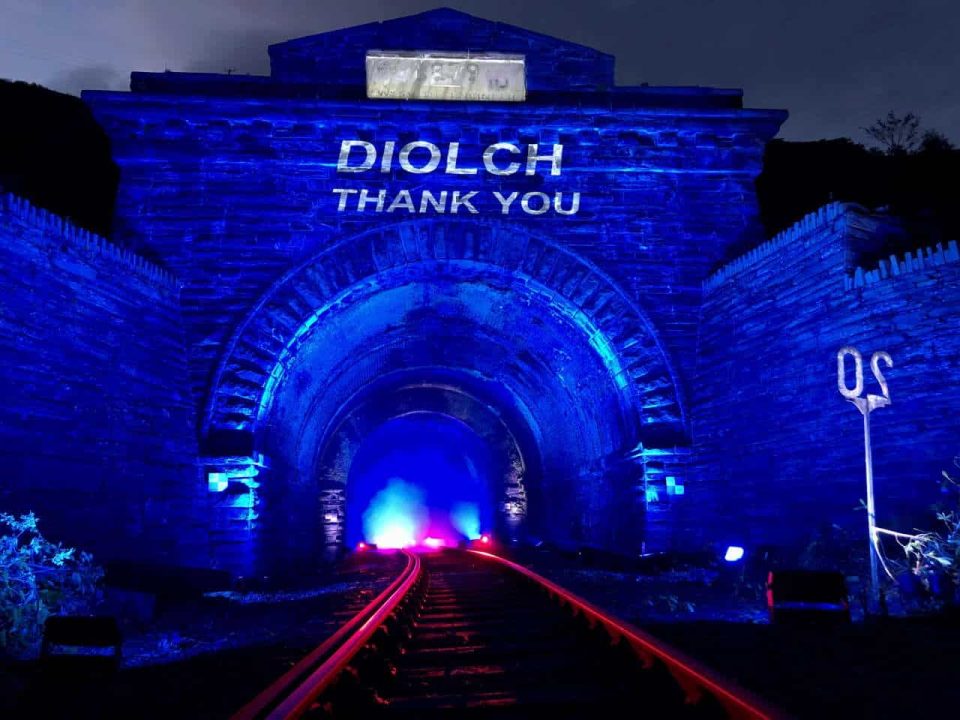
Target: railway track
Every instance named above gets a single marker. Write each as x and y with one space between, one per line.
470 635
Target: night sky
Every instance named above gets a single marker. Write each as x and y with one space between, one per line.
836 65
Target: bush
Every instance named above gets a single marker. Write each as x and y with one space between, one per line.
933 558
37 579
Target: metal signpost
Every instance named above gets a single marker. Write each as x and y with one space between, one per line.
866 405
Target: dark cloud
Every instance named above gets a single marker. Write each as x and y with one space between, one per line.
243 52
95 77
835 64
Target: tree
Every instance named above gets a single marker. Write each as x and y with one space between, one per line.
934 141
895 134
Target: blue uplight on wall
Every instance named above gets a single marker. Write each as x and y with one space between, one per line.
217 481
733 553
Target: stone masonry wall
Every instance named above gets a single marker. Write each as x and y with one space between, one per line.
96 426
779 452
231 194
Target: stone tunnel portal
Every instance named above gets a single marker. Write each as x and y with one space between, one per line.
314 287
464 377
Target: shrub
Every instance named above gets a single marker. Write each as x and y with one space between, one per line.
39 578
933 558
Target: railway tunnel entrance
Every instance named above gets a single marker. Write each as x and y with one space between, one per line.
434 377
380 248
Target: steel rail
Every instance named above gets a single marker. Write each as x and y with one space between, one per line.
291 695
692 677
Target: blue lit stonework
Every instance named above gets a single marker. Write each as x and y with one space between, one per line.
560 307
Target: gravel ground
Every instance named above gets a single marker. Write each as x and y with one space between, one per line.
207 657
896 667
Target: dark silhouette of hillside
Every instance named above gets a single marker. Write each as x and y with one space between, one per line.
54 153
922 187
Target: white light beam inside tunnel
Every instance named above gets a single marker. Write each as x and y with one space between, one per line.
396 516
466 518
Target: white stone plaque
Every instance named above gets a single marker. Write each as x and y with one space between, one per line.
428 75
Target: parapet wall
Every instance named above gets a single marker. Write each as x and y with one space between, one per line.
17 210
894 266
779 452
816 224
96 425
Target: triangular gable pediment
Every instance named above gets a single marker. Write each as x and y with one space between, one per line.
337 57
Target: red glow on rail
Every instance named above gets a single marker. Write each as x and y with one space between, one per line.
290 696
689 674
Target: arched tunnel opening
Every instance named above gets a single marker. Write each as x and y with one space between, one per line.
442 398
421 478
439 458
